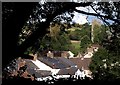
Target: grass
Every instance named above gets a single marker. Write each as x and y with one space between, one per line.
76 47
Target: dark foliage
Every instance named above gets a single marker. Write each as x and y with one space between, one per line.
15 16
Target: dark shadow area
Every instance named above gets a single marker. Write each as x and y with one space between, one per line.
70 81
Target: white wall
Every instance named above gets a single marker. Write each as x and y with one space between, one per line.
80 74
62 76
41 65
55 71
71 54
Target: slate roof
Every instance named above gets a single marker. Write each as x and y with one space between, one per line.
66 61
52 62
39 73
30 64
57 62
66 66
44 73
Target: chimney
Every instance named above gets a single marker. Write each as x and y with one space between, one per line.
34 56
50 54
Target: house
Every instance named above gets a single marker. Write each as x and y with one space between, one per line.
27 69
83 61
55 64
42 68
39 75
95 47
59 67
71 55
89 53
35 72
79 55
83 65
62 67
67 72
80 74
90 50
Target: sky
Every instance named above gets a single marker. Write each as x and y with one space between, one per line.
81 18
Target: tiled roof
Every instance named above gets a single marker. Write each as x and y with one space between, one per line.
30 64
32 71
57 62
52 62
44 73
67 61
82 63
66 71
39 73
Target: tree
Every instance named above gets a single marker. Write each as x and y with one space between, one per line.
14 17
75 35
47 12
111 44
85 42
43 15
100 34
105 66
58 39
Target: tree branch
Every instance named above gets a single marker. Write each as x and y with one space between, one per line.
82 4
93 14
102 19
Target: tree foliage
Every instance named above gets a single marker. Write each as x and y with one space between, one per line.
85 42
17 15
105 66
57 39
